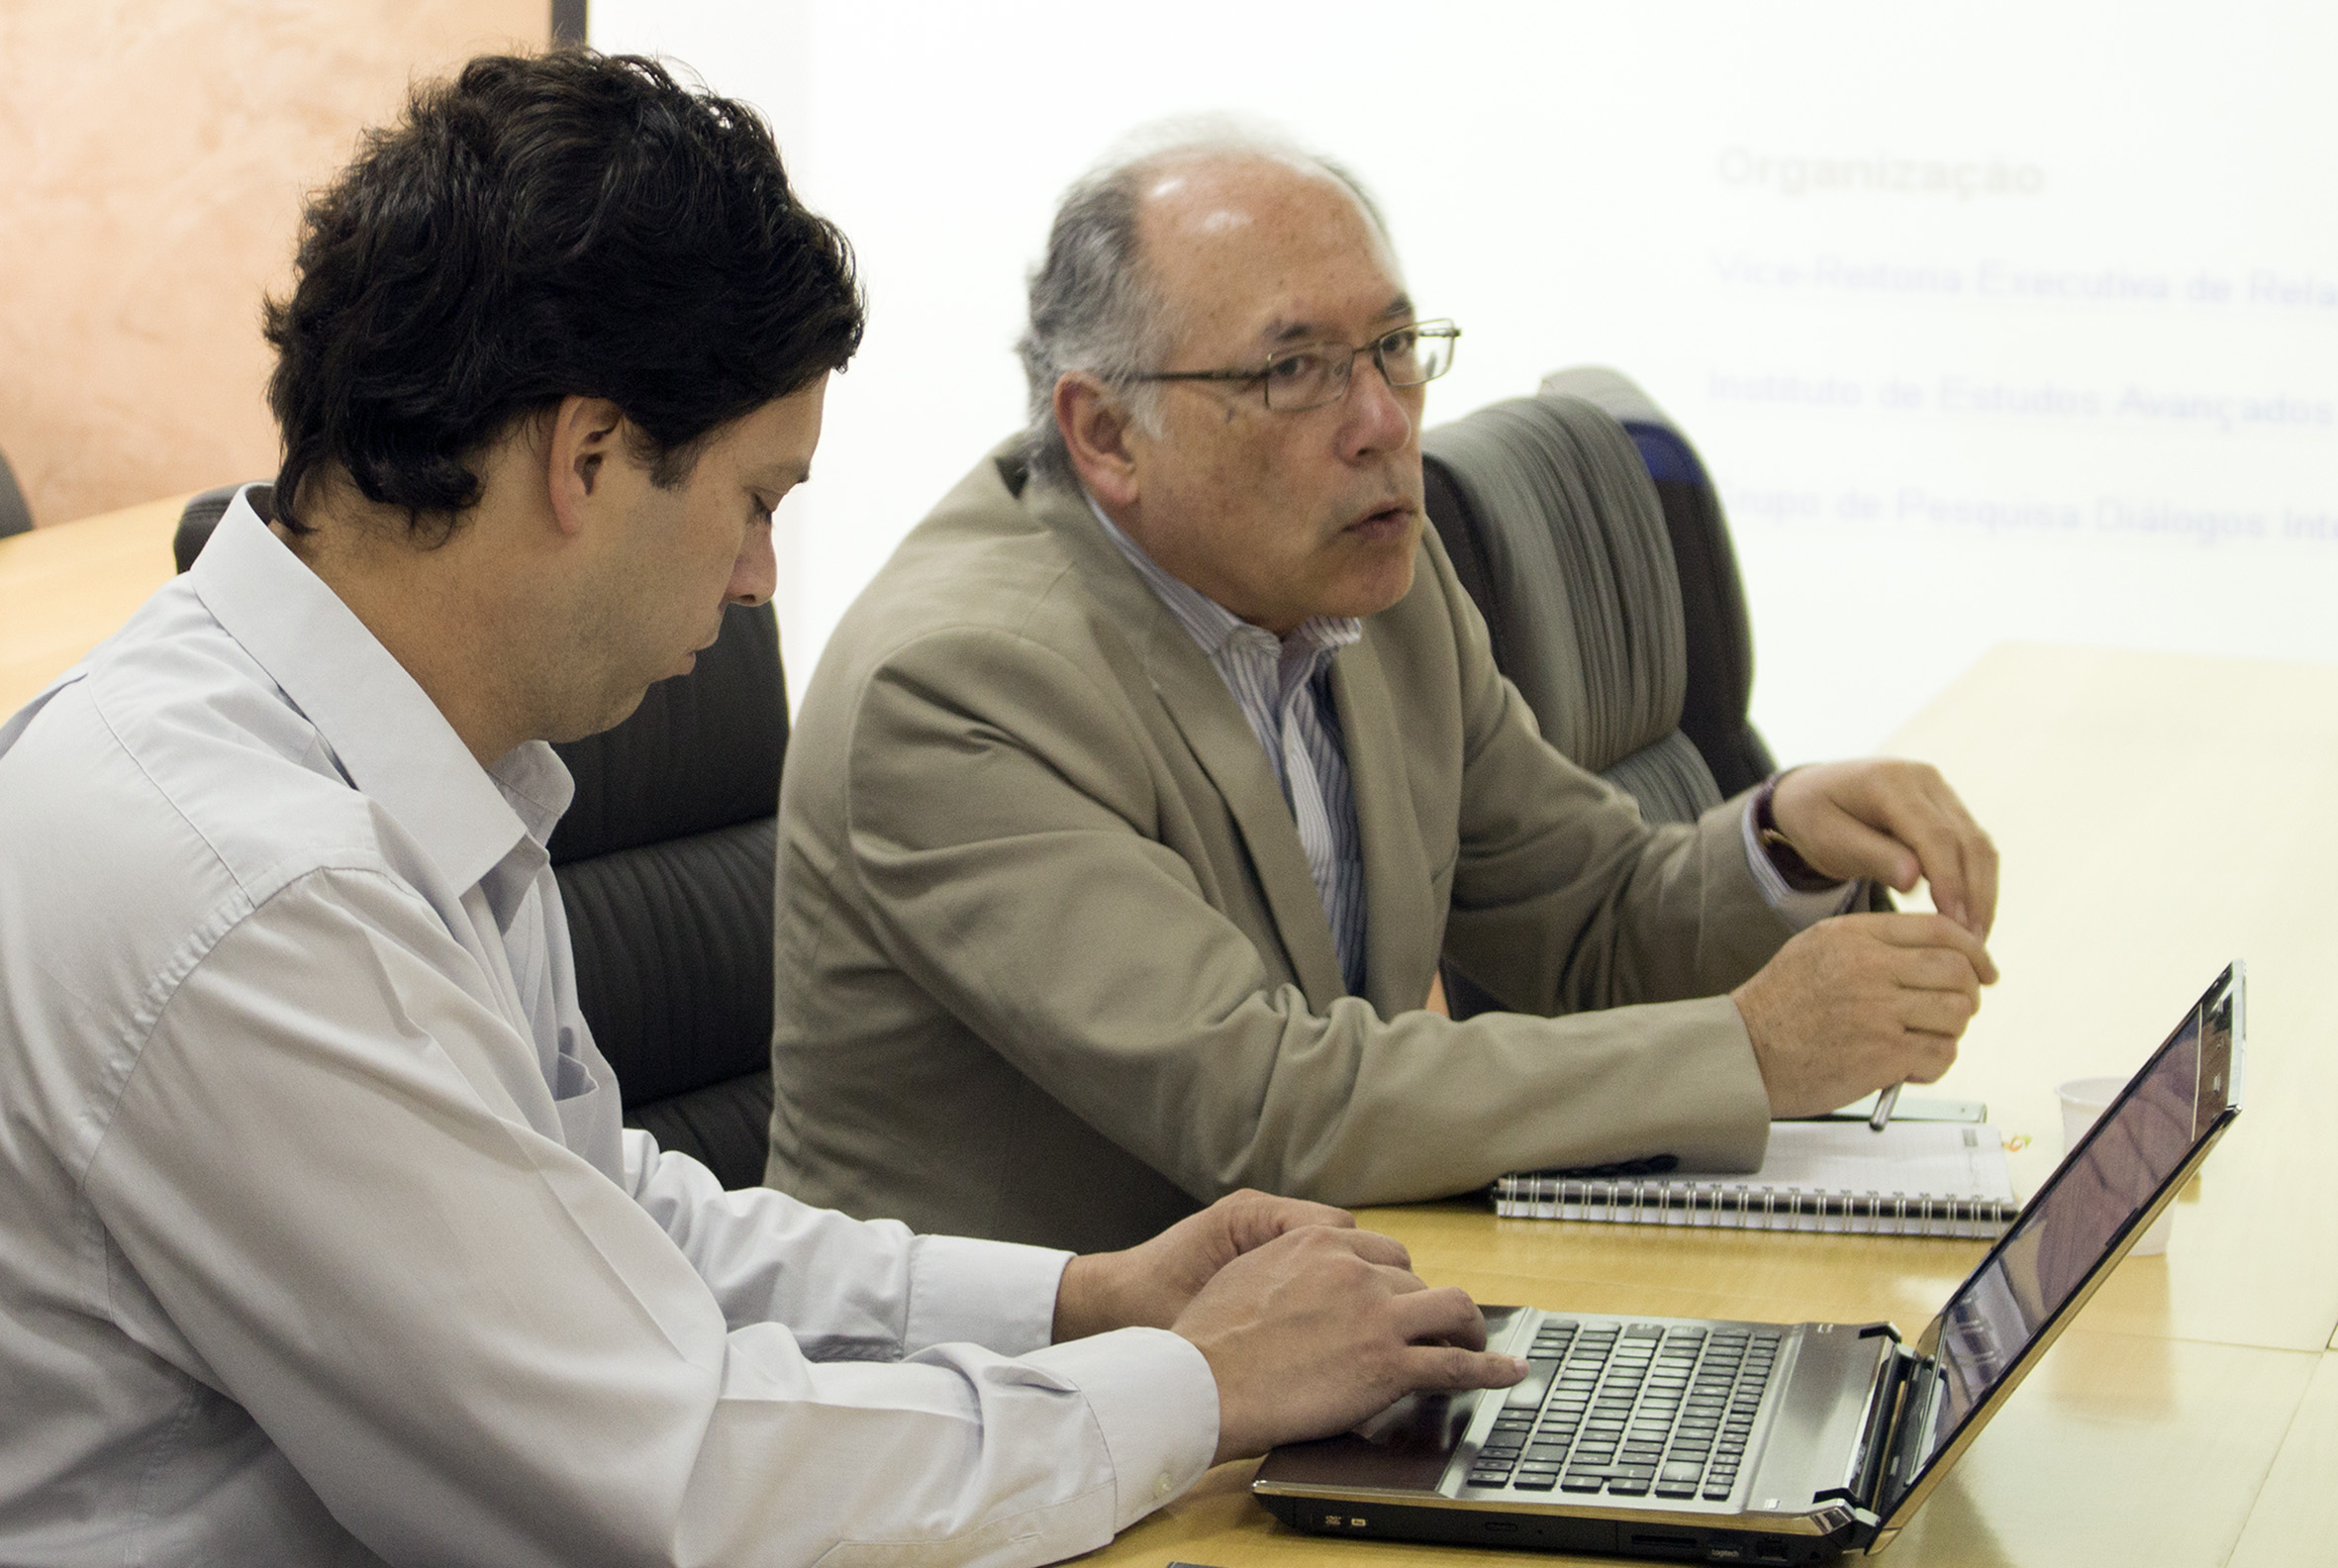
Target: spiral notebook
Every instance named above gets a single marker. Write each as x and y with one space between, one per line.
1914 1178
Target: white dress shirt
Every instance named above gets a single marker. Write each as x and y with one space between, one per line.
1284 688
320 1240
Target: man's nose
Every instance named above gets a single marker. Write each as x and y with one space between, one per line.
1377 415
754 576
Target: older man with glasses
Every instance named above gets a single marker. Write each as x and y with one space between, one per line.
1132 805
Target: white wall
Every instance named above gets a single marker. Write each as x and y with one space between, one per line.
1993 321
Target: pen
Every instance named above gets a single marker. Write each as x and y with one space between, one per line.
1883 1103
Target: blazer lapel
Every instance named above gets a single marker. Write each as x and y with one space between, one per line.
1227 748
1400 925
1222 739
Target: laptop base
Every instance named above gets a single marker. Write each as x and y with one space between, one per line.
1452 1527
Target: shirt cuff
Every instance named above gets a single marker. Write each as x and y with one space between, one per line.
1798 909
999 1295
1156 1403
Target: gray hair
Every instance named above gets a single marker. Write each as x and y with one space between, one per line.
1094 307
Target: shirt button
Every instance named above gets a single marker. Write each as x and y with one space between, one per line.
1161 1485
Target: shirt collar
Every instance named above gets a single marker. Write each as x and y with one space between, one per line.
1210 623
391 742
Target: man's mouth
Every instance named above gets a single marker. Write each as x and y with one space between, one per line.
1384 522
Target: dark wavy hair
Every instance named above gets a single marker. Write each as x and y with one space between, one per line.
538 226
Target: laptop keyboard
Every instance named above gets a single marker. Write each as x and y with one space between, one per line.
1631 1410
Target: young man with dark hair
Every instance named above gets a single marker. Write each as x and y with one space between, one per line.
320 1237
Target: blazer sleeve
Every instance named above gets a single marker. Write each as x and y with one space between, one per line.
1005 831
1565 900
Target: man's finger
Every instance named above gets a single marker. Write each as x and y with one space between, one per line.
1959 860
1399 1282
1936 969
1385 1252
1981 868
1253 1219
1941 853
1943 1012
1934 930
1445 1314
1935 1054
1853 849
1442 1367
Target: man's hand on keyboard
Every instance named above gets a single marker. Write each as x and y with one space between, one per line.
1321 1328
1149 1285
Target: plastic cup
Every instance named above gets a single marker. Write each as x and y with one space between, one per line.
2084 1100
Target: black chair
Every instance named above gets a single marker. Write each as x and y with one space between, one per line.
1717 634
15 516
1588 533
1557 533
665 861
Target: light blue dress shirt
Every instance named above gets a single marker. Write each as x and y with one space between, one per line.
320 1240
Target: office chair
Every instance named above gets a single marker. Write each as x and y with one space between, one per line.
665 861
1556 530
1718 634
15 516
1584 527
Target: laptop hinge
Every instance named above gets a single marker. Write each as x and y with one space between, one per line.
1871 1465
1905 1444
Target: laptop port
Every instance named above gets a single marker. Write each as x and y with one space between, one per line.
1652 1540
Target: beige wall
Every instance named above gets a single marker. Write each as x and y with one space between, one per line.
153 158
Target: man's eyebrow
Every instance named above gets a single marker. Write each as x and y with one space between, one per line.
1282 329
787 476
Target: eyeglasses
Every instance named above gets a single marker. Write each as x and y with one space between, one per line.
1313 374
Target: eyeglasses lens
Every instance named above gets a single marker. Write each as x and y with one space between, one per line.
1306 378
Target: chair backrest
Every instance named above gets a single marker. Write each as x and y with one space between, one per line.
665 861
1556 530
15 516
1717 634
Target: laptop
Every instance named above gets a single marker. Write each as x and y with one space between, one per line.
1706 1440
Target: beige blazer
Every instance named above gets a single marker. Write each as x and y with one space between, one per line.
1050 967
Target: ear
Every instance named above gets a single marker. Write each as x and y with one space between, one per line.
1096 432
586 435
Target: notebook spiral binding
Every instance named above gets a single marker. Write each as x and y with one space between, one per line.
1738 1206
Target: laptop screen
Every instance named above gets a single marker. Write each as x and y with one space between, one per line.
2097 1191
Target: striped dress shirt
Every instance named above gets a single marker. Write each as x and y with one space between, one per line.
1283 685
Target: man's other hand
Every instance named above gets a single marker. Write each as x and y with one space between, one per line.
1321 1327
1892 822
1860 1002
1149 1285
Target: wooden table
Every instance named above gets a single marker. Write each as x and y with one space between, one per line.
2158 816
63 589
